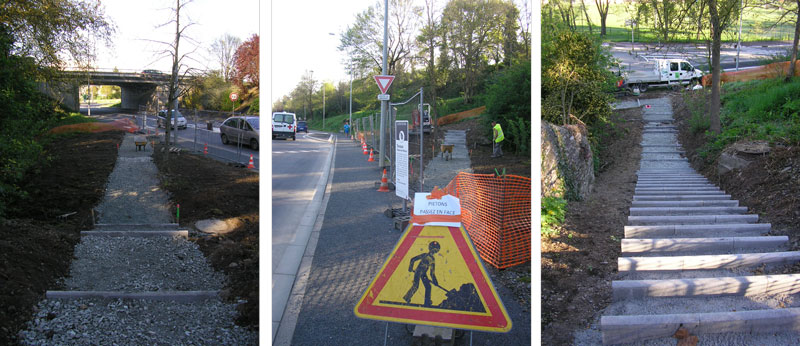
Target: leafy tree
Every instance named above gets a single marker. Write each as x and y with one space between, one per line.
44 29
602 8
472 28
429 39
246 65
223 50
364 39
722 14
509 98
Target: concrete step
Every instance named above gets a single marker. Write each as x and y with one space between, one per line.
647 180
684 204
704 262
675 184
634 220
635 328
686 197
101 227
643 211
156 233
682 192
669 175
692 231
647 161
667 246
677 188
663 151
782 284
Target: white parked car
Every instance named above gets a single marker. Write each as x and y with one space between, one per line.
162 119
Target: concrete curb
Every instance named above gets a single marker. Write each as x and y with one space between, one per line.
707 287
654 211
135 226
651 231
177 296
681 204
686 197
620 329
704 262
183 234
665 246
690 219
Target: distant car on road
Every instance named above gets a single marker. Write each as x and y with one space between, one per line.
240 129
284 125
302 126
162 119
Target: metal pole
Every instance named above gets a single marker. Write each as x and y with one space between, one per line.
739 45
421 147
194 146
89 81
351 100
323 106
384 104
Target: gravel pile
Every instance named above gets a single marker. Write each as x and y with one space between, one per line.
136 264
135 322
140 264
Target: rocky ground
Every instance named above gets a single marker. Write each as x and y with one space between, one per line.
579 263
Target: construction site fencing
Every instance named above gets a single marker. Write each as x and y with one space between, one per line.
496 212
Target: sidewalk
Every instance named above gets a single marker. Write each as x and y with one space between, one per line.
354 242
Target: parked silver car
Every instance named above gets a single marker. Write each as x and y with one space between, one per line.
240 129
162 119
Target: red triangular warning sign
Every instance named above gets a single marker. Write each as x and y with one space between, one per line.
434 277
384 82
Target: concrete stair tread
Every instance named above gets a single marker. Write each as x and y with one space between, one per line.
701 246
776 284
644 211
700 230
705 262
684 192
634 220
634 328
678 197
683 204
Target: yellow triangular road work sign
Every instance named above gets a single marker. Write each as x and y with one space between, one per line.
434 277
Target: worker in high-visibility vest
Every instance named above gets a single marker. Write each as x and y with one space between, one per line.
497 139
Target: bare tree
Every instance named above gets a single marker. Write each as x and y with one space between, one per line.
602 8
178 68
223 50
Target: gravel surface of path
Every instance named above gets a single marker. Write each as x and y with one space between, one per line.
136 264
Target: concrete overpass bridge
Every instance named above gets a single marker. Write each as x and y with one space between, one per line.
138 88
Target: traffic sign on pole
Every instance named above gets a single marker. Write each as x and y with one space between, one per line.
384 82
433 276
234 97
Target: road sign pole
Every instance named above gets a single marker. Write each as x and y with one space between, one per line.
384 71
421 147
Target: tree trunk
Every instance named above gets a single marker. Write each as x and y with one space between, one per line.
716 35
794 45
603 24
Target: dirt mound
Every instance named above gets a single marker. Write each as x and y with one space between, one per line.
36 245
125 125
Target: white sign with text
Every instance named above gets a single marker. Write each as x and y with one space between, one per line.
401 163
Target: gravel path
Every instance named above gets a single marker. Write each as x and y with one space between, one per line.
136 264
439 171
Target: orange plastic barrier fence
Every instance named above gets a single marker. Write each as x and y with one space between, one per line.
126 125
451 118
496 212
773 70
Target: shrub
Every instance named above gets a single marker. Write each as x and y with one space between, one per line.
554 209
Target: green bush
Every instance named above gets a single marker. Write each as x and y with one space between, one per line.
508 98
554 209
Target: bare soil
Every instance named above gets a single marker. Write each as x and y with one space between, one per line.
579 262
204 189
36 246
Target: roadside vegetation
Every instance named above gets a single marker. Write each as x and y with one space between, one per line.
464 54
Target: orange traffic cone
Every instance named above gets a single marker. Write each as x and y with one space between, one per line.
371 158
384 183
205 149
251 165
365 149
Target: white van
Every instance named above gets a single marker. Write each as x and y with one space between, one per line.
284 125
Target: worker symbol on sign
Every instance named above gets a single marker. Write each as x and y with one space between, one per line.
426 262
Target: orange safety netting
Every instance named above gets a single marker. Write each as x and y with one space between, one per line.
773 70
496 212
126 125
451 118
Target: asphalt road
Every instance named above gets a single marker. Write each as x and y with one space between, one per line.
190 138
296 169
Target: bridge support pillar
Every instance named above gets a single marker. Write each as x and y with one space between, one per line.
64 92
135 95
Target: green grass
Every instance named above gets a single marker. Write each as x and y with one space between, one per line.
758 110
757 25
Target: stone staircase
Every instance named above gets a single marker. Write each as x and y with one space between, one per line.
693 258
